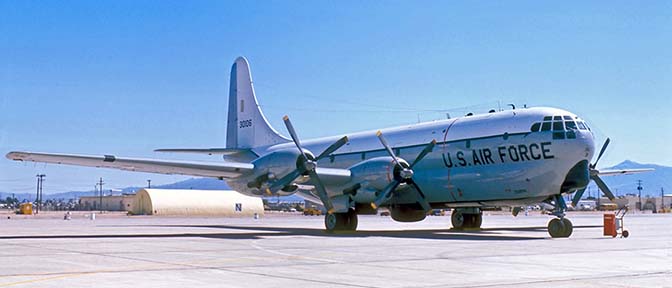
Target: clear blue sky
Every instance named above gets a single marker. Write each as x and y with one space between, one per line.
126 77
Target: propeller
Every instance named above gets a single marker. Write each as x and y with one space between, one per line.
595 176
404 174
307 166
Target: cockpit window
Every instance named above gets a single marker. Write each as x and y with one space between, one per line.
570 125
557 126
557 118
546 126
581 126
548 118
567 117
535 127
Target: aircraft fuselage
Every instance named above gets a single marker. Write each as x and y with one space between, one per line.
480 160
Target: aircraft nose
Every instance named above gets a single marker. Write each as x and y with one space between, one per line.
587 143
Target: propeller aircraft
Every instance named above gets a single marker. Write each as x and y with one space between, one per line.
511 158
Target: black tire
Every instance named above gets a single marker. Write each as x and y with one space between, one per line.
458 219
625 234
332 222
556 228
351 220
569 227
477 221
339 222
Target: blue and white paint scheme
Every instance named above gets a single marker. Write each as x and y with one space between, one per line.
504 158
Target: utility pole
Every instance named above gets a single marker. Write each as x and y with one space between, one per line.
100 197
662 199
38 197
639 188
149 183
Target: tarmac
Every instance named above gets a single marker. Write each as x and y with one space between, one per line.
291 250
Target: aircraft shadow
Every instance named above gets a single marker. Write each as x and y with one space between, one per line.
254 232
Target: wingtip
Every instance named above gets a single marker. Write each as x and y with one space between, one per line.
379 133
14 155
285 118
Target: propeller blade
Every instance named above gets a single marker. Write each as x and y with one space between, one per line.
284 181
428 148
577 197
292 133
421 197
604 147
385 194
387 147
603 187
322 192
333 147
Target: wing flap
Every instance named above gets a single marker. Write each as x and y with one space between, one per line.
218 170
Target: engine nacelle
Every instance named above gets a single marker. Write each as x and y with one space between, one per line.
407 213
371 176
271 167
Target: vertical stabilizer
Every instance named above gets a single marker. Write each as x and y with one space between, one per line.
247 127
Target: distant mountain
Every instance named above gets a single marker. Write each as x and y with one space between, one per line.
652 182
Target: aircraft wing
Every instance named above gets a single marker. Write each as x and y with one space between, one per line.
225 170
622 171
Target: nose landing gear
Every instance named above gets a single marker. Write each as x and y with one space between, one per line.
560 227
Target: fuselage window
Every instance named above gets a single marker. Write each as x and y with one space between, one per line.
571 125
581 126
557 126
535 127
546 126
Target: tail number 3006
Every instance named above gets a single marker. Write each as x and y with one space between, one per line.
245 123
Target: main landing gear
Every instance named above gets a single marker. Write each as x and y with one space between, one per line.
560 227
341 222
466 218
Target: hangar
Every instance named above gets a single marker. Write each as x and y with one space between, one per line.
227 203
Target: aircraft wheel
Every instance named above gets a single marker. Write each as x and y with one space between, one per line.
458 219
337 222
625 234
477 220
569 228
556 228
332 222
351 220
